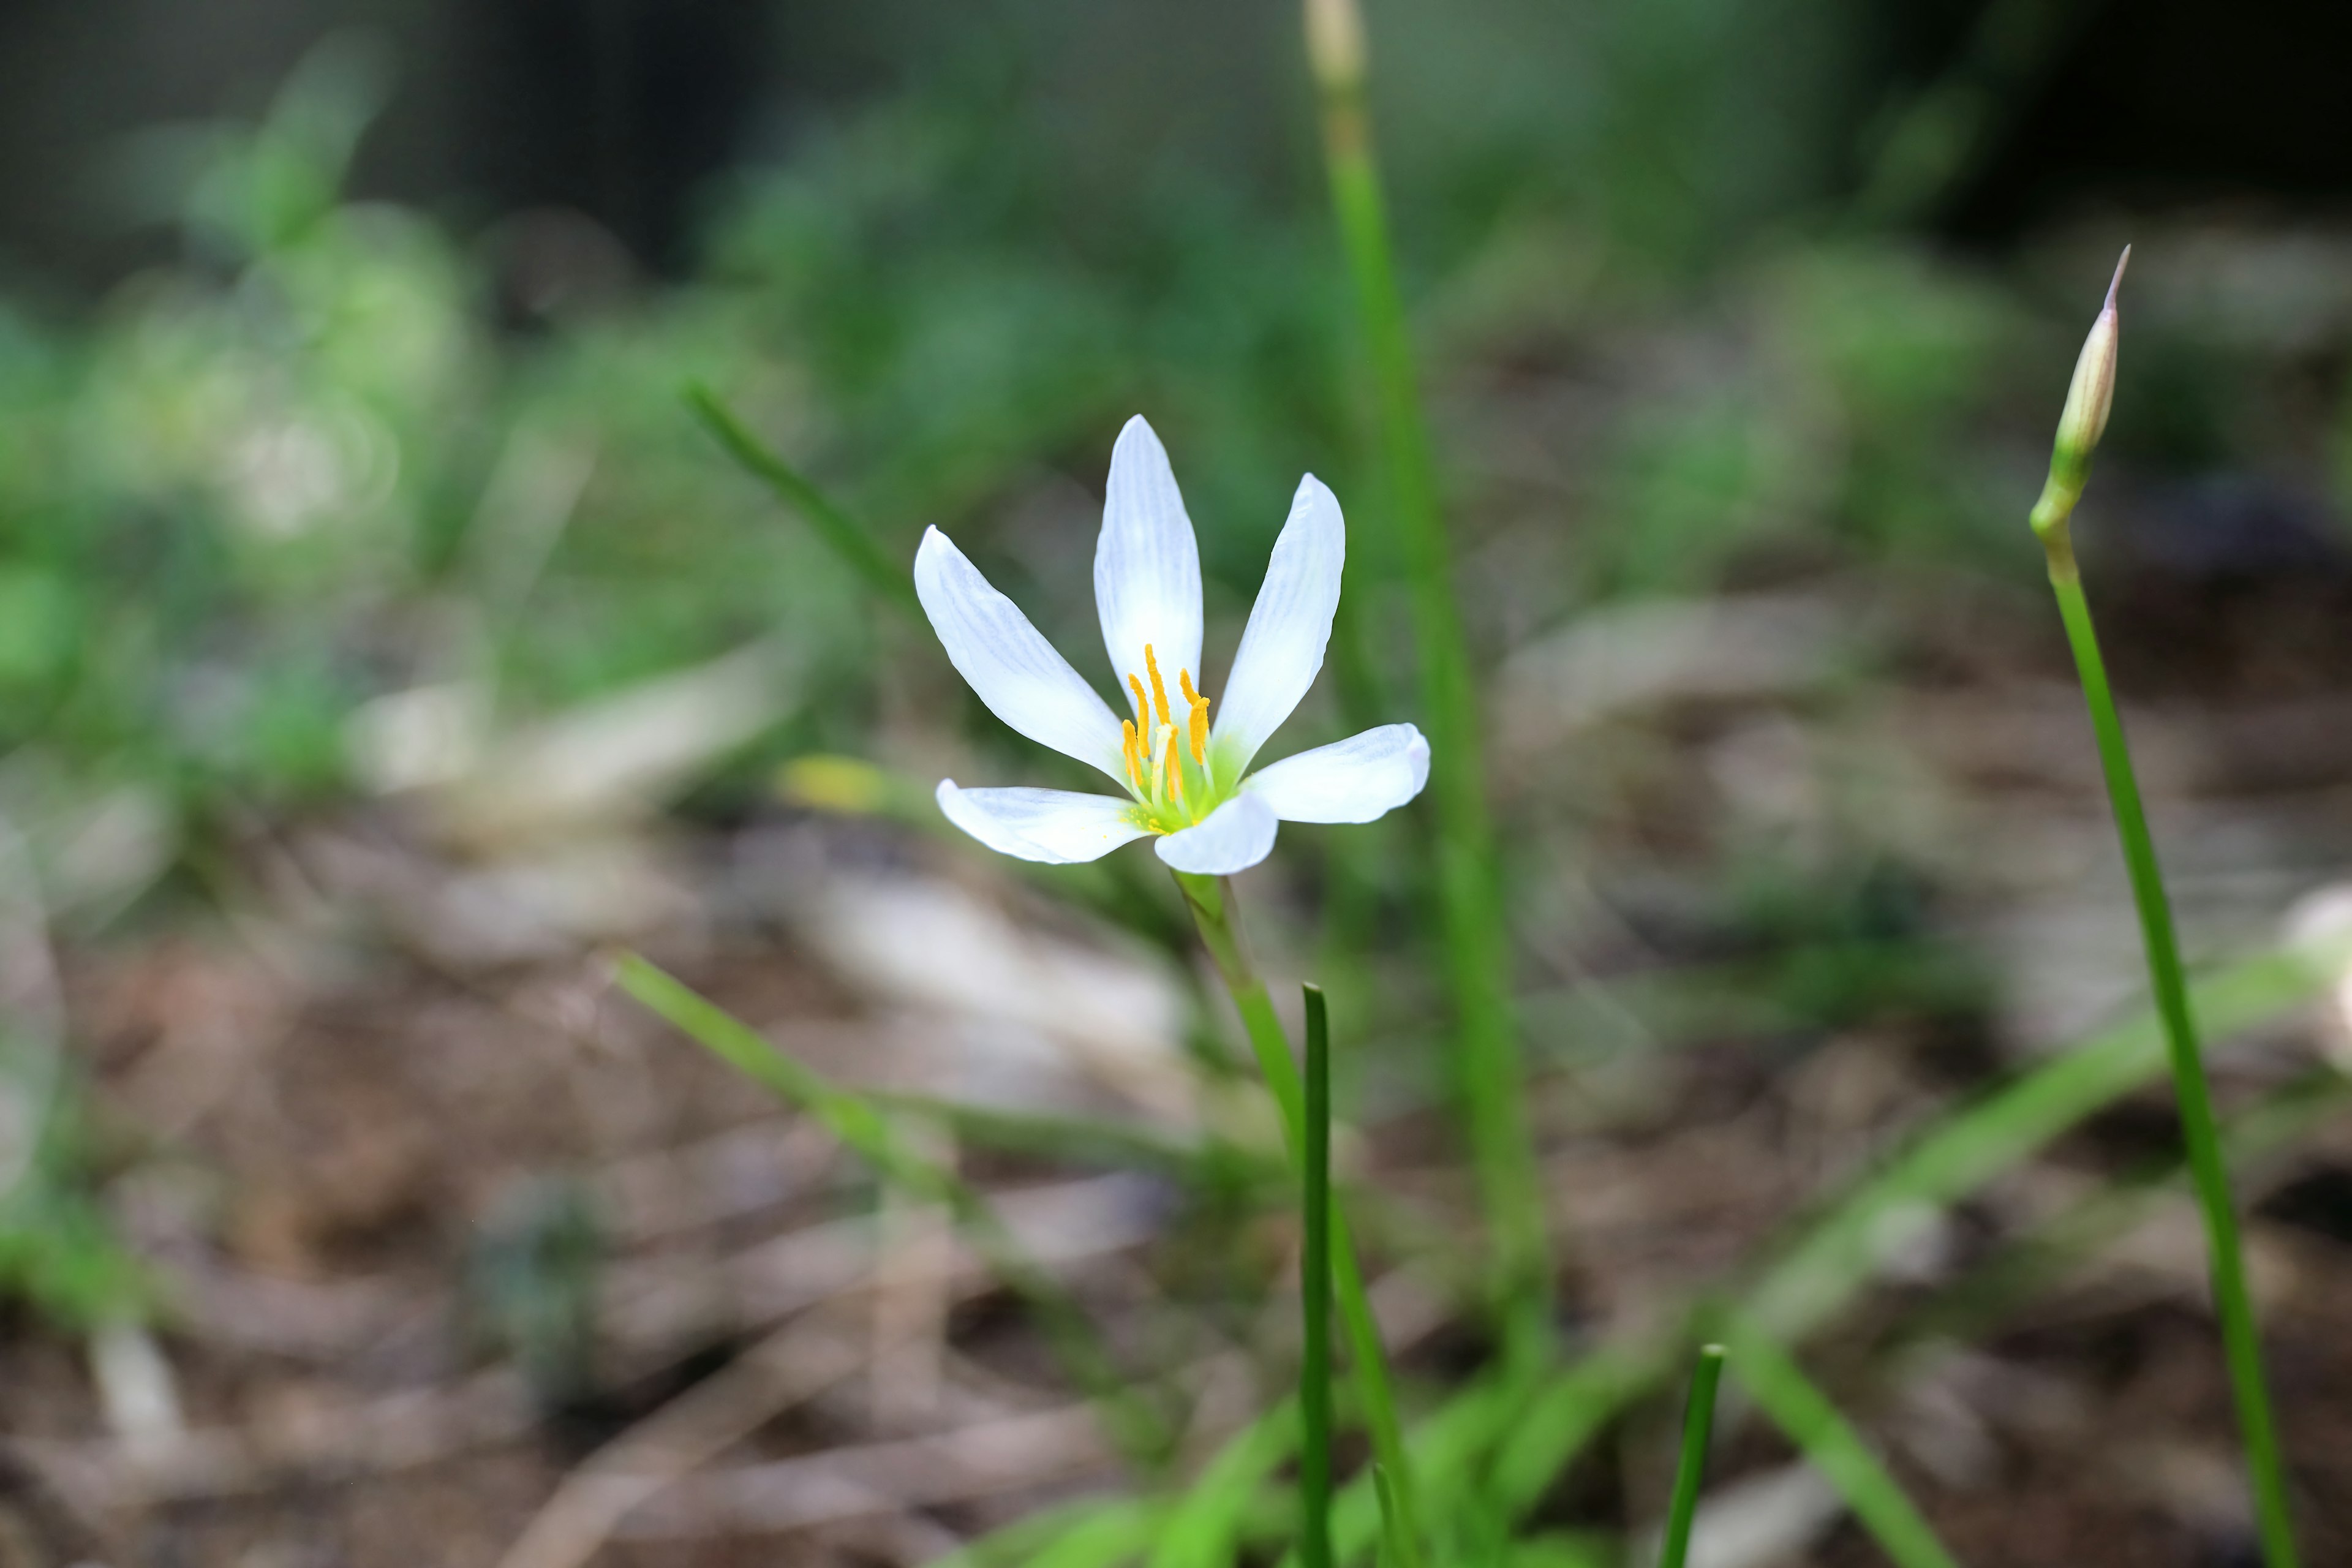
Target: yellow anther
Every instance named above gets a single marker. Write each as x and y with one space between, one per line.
1142 703
1159 692
1130 746
1175 773
1197 721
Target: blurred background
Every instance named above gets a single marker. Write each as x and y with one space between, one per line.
384 642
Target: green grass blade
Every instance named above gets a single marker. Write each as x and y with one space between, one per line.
1204 1527
1314 1298
1392 1552
865 1129
1842 1250
1477 949
2057 1245
1838 1451
1096 1533
1698 1426
893 580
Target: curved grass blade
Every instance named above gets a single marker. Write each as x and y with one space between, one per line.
1838 1254
893 580
1838 1451
1142 1432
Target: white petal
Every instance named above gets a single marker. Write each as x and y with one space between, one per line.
1234 837
1282 649
1146 565
1058 826
1015 671
1354 780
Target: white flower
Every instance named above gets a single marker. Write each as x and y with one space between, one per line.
1187 780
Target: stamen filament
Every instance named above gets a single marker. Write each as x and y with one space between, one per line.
1175 773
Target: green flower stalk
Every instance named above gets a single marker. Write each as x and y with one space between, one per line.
2088 400
1477 946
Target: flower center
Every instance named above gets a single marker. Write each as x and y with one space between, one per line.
1168 769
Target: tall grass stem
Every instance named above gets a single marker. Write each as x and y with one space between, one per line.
1698 1427
2232 1300
1476 943
1218 916
1315 1297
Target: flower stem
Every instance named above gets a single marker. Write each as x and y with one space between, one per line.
2232 1302
1698 1426
1218 916
1314 1298
1477 946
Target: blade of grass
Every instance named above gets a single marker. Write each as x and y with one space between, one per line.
2058 1246
1392 1552
1834 1447
1314 1298
1201 1531
865 1129
1698 1426
2078 433
1477 949
1218 920
891 578
1096 1533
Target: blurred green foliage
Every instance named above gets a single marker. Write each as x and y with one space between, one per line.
60 1253
293 470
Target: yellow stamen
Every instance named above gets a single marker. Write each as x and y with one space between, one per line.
1159 692
1130 746
1175 773
1197 719
1142 704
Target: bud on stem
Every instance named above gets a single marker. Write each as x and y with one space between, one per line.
1335 44
2089 398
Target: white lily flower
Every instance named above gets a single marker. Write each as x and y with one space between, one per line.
1187 779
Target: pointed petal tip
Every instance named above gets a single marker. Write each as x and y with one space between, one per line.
1136 429
1314 490
2117 281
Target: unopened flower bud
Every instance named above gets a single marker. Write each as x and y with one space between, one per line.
1335 43
2089 398
2092 392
